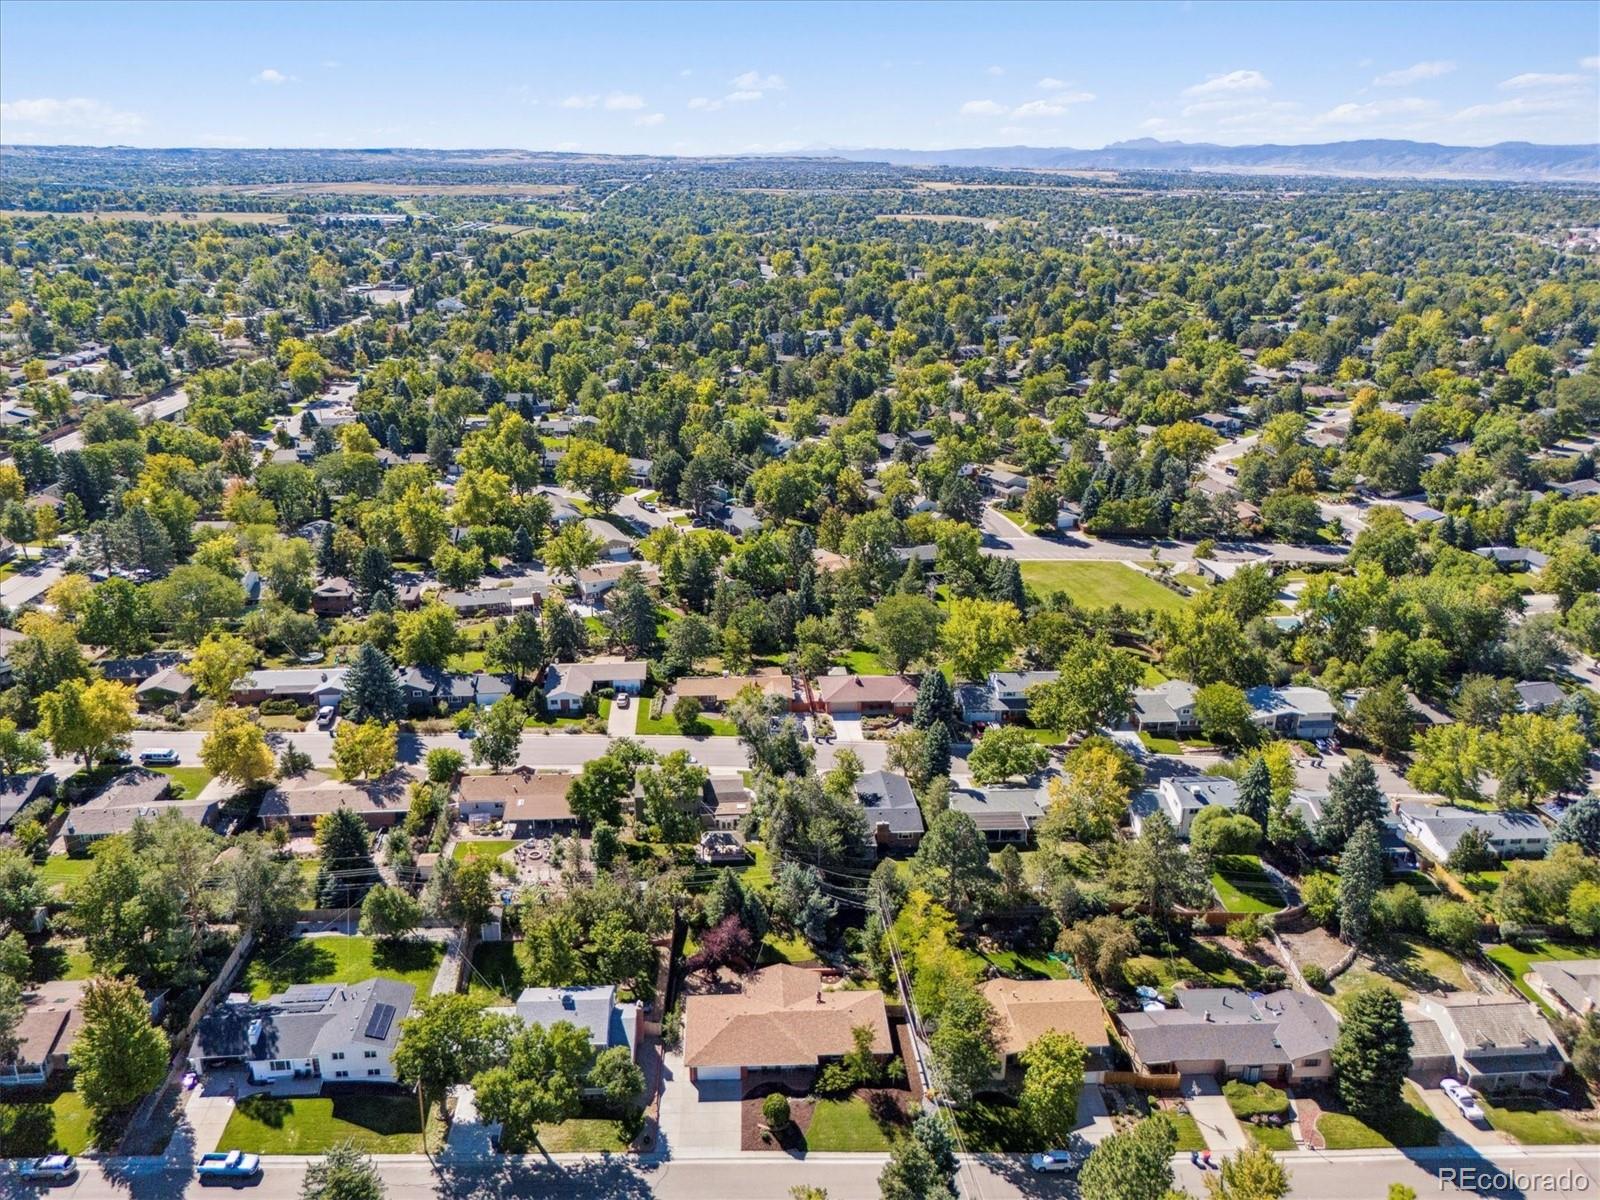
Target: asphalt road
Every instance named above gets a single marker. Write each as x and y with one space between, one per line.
1505 1174
155 410
1004 539
556 749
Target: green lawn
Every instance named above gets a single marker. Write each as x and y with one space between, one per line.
1201 963
1242 886
306 1125
846 1126
758 873
1535 1124
865 661
1516 962
995 1125
709 724
60 869
1274 1137
497 972
1405 969
190 780
544 720
484 847
1100 585
1414 1125
44 1122
777 949
338 959
1189 1136
1025 966
581 1135
60 958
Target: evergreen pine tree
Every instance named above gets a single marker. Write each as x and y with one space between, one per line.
1354 798
372 689
935 701
1372 1054
522 549
936 750
1360 876
1255 792
1006 583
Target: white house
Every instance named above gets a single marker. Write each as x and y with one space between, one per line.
566 684
1183 799
1166 710
1498 1042
1437 828
331 1031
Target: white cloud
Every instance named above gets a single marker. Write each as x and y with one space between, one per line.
995 71
576 101
624 101
755 81
1517 106
650 119
1233 81
1376 110
331 64
982 108
273 76
743 96
1050 84
1538 79
1415 73
1590 62
75 114
1035 110
700 102
685 73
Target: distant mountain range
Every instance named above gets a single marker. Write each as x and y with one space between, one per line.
1373 158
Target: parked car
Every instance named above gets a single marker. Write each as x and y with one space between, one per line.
51 1168
120 757
1054 1160
326 716
235 1164
159 756
623 700
1461 1095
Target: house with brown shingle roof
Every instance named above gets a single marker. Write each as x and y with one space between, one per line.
866 695
714 692
782 1019
533 804
296 803
1024 1009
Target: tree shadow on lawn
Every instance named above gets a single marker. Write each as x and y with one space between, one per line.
1393 962
383 1115
271 1111
49 962
302 961
28 1129
405 957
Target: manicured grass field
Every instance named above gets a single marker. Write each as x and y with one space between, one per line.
580 1135
1414 1125
1534 1124
776 949
1189 1136
1516 962
190 780
709 724
864 661
44 1122
338 959
1274 1137
1090 584
1013 962
845 1126
60 869
481 847
61 958
313 1125
995 1125
1405 969
497 972
1242 886
1201 964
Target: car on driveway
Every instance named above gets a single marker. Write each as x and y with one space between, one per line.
1054 1160
52 1168
1461 1096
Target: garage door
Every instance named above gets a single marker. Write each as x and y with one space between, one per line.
712 1074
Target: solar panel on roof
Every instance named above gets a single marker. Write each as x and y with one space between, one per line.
378 1024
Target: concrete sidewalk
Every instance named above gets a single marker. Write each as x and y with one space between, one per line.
1209 1108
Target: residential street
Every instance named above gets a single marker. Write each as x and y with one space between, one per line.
1513 1174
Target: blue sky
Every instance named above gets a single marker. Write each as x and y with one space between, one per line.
714 78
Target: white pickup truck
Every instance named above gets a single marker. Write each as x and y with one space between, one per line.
235 1164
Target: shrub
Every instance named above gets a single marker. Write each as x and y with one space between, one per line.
834 1079
1259 1100
305 712
775 1112
1316 977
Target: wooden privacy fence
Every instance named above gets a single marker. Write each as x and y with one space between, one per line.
1143 1081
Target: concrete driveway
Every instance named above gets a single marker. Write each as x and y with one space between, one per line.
1210 1110
623 722
697 1120
1456 1127
848 729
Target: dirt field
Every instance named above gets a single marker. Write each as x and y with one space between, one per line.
361 188
166 218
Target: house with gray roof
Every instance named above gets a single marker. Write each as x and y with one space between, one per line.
19 791
566 684
1166 710
1499 1043
1573 985
1002 697
1513 558
426 688
1281 1037
133 795
1436 829
1183 798
1004 815
594 1010
1537 695
337 1032
893 819
1292 712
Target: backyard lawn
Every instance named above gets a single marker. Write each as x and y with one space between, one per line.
497 972
1199 963
60 869
313 1125
1413 1126
61 958
44 1122
338 959
1242 886
484 847
846 1126
1100 585
1405 969
1536 1124
775 949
